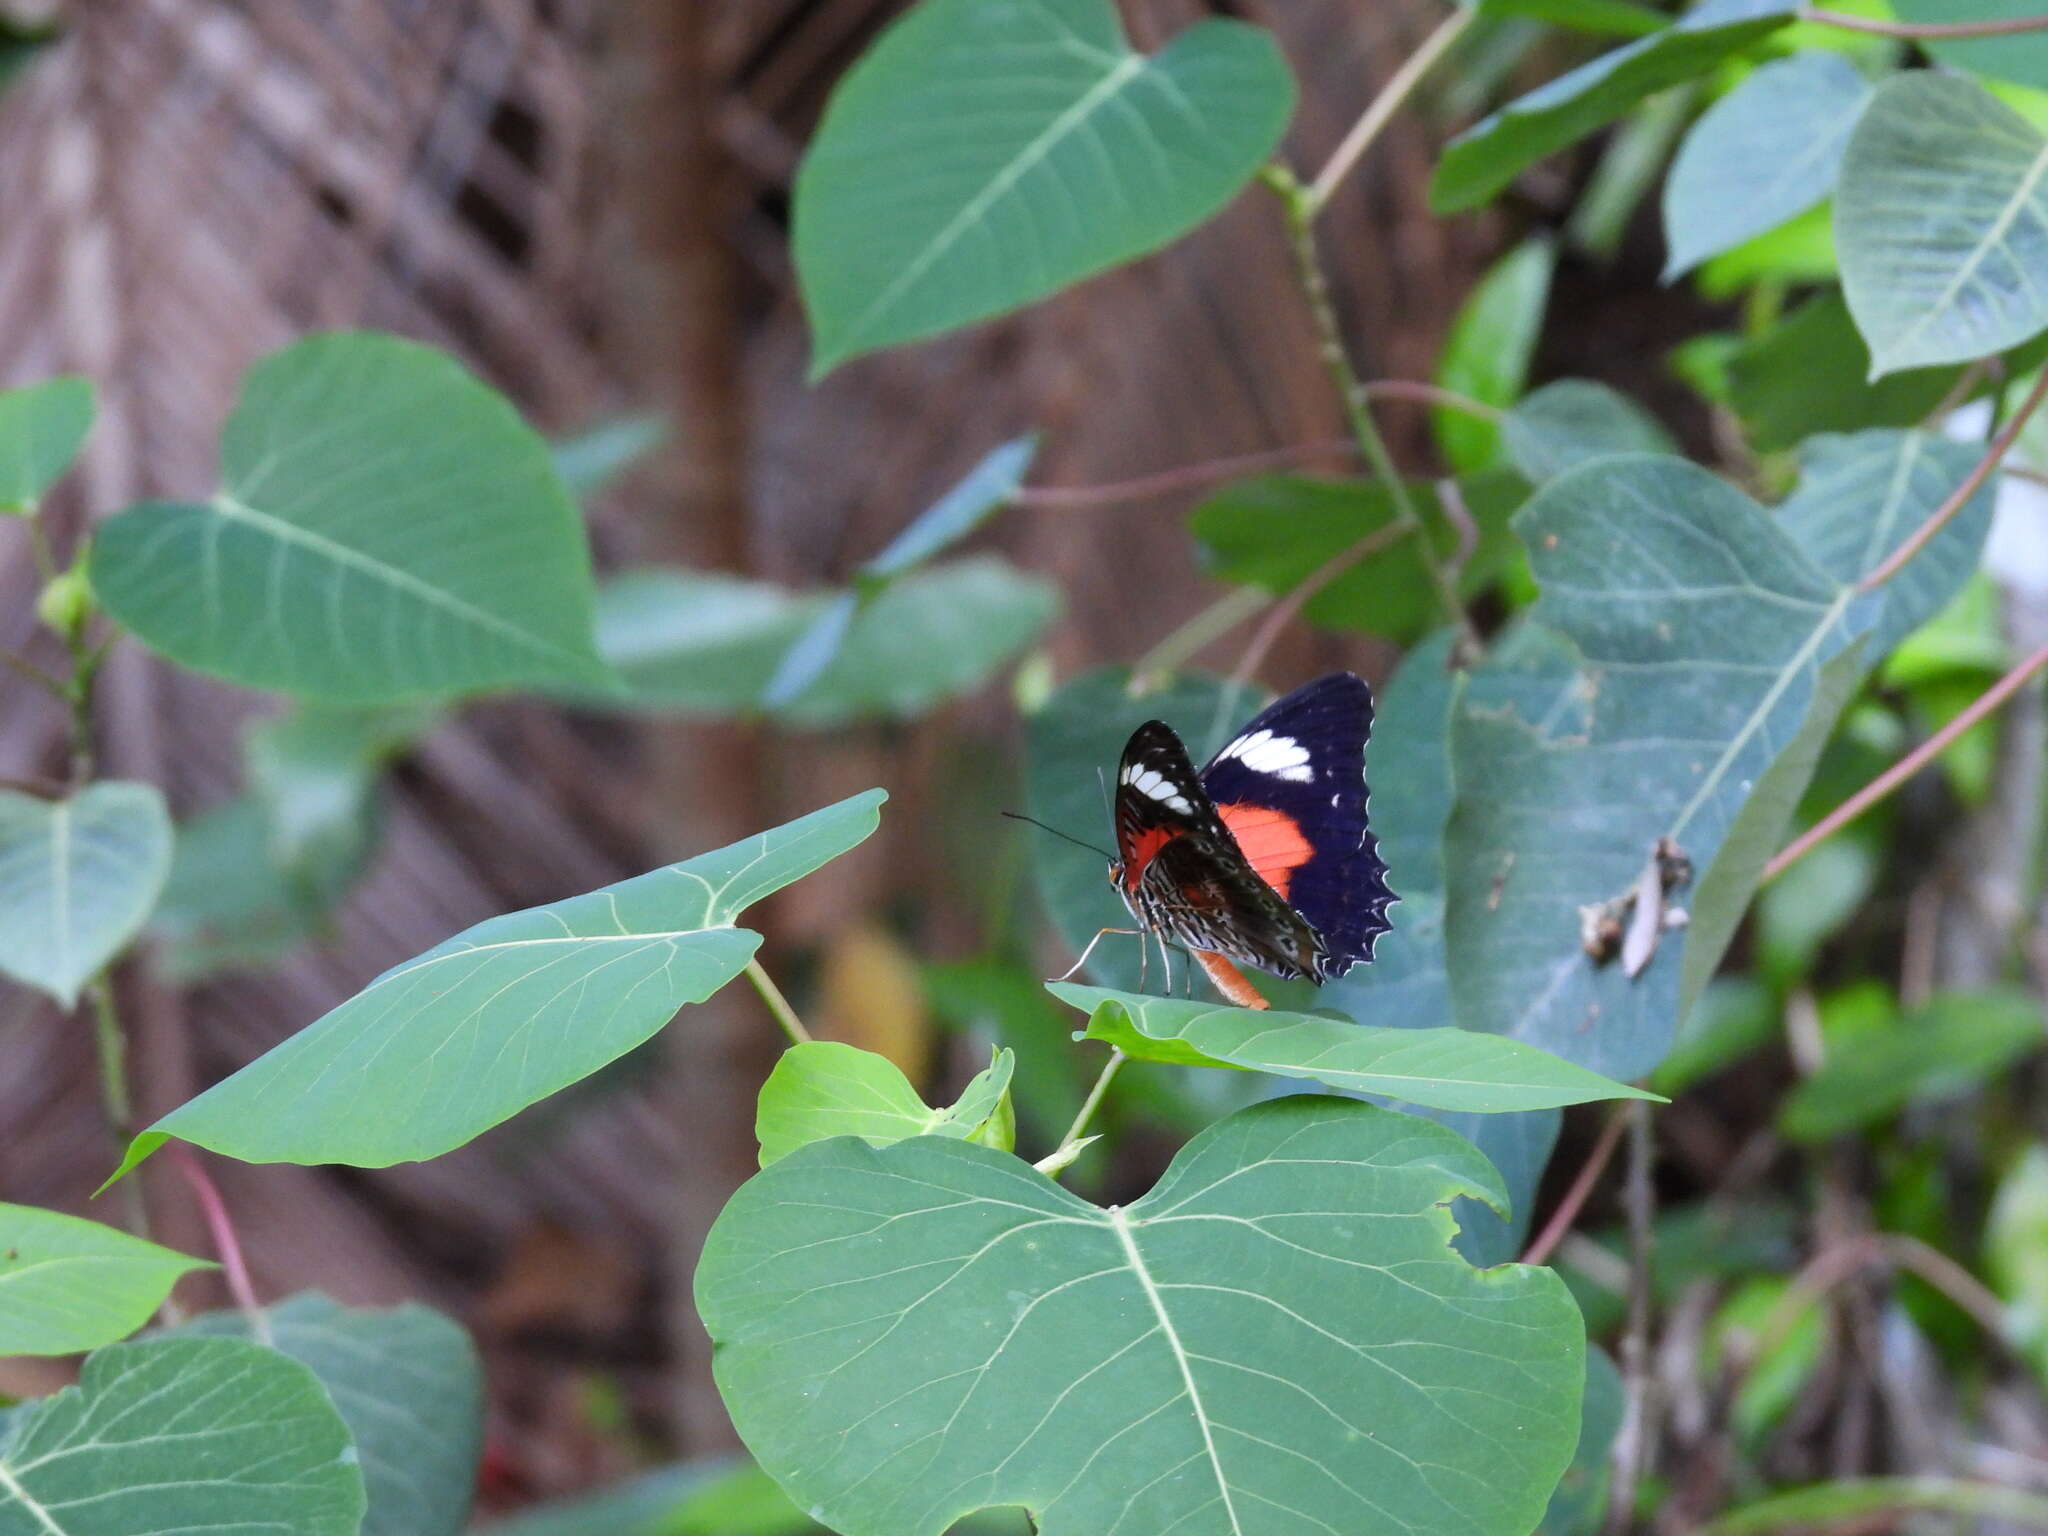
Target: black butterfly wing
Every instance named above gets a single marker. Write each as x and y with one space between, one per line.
1291 789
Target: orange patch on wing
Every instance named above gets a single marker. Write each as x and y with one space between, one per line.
1143 847
1270 840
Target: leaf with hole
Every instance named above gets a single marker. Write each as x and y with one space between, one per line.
979 157
1276 1339
1941 218
407 1383
78 878
822 1088
386 528
441 1048
68 1285
171 1434
42 427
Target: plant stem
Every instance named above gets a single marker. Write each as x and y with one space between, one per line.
1300 215
22 666
1187 477
1187 640
1575 1198
1889 566
1380 111
1094 1100
117 1104
2002 26
1905 767
222 1226
778 1005
1632 1450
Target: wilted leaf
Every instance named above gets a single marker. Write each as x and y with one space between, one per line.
42 427
919 209
68 1285
441 1048
821 1088
1198 1360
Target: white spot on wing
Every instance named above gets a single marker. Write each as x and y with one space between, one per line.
1281 756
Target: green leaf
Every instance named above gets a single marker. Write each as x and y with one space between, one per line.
42 427
314 771
980 157
78 878
1857 1498
1799 252
1941 218
408 1385
441 1048
1562 425
589 463
386 528
822 1088
1484 159
1941 1049
2021 57
1776 1365
1766 151
1858 499
1276 531
68 1285
1608 18
1631 164
699 643
1579 1505
693 1498
2016 1253
1442 1068
1733 1016
1199 1360
1491 344
1702 633
181 1435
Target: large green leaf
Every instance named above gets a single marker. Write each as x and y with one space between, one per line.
1276 531
408 1385
1565 423
699 643
1442 1068
1484 159
77 880
1276 1339
1702 631
1487 354
1766 151
181 1435
386 528
1579 1505
1941 218
68 1285
979 157
671 1501
441 1048
824 1088
42 427
2019 56
1858 499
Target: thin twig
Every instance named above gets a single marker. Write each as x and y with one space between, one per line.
2001 26
1905 767
47 681
1288 609
1391 98
1574 1201
1187 640
117 1104
1962 493
1415 392
1089 1105
1187 477
1451 502
1632 1448
222 1226
778 1005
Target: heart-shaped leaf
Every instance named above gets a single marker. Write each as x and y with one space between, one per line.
920 208
42 427
181 1435
1276 1339
1763 153
823 1088
443 1047
1941 217
1441 1068
386 528
407 1384
78 878
68 1285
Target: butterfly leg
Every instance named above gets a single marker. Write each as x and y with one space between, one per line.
1085 953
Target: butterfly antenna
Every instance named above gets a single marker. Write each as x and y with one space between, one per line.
1056 832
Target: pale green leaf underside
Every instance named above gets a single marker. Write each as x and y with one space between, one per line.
1441 1068
1941 219
982 156
406 1382
69 1285
42 427
187 1435
439 1049
386 528
1276 1340
823 1088
78 878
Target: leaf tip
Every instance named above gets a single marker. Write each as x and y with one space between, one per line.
138 1150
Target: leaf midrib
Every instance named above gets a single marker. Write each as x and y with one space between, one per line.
11 1485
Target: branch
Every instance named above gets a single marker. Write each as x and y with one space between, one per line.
1905 767
225 1243
1962 493
1380 111
1575 1198
2002 26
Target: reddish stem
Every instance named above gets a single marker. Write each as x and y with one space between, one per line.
225 1243
1575 1198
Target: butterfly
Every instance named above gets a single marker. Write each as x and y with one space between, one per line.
1264 856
